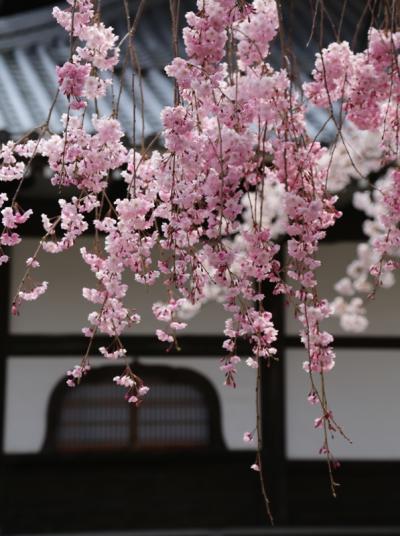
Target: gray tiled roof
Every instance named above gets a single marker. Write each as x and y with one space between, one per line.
32 44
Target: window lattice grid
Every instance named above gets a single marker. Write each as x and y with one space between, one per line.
96 416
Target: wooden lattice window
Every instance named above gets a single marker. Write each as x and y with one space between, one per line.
181 411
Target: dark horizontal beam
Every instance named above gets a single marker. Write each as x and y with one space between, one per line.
351 342
58 345
147 345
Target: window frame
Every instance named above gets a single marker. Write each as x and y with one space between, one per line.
169 375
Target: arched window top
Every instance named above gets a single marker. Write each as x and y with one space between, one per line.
181 411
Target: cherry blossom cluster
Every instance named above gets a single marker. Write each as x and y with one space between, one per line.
12 169
366 83
75 375
135 388
377 258
167 313
367 86
80 77
237 201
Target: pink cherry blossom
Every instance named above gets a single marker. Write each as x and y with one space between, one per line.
238 185
247 437
72 78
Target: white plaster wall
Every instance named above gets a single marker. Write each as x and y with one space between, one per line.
62 308
363 392
383 311
30 382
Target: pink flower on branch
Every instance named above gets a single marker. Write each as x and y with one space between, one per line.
205 216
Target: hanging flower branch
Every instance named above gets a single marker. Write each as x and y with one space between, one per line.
207 215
